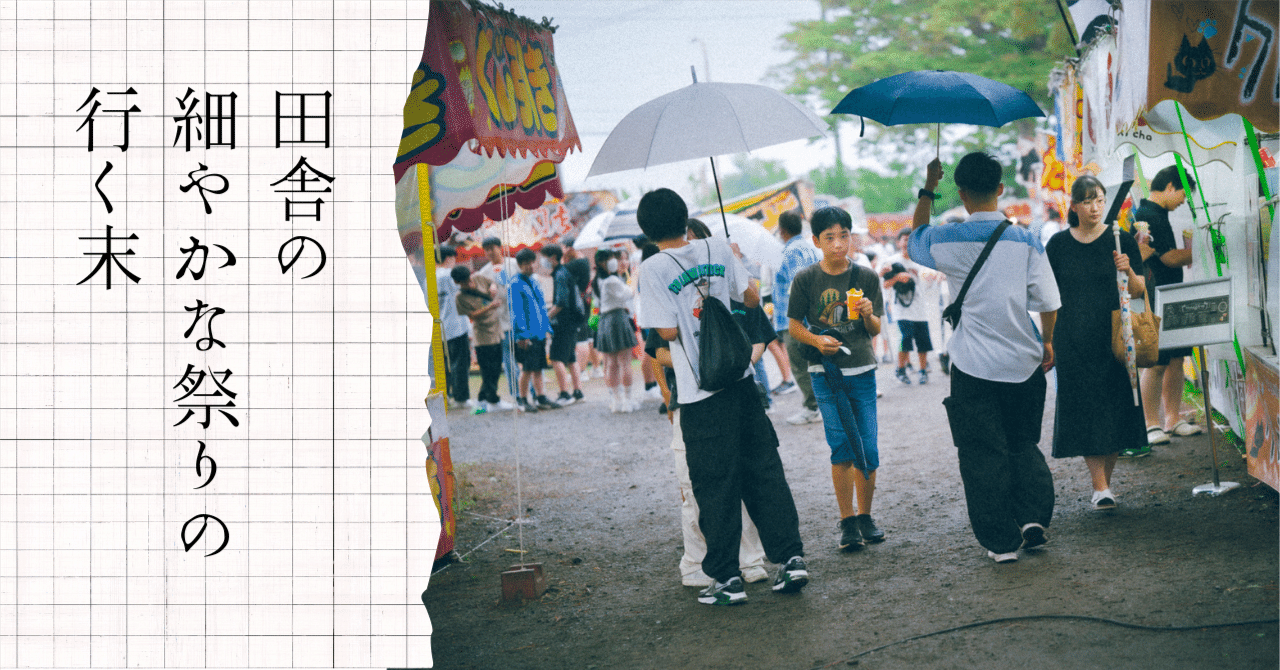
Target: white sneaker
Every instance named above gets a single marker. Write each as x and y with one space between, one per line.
501 406
1156 435
753 574
698 578
472 403
805 416
1184 429
655 393
584 378
598 373
1010 557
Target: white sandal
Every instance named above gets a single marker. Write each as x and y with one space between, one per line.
1156 435
1183 429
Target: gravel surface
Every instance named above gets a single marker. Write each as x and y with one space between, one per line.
602 516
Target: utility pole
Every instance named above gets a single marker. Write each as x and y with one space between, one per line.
835 126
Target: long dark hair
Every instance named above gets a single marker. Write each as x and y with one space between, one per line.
602 271
1084 188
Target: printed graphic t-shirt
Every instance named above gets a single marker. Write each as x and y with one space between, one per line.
818 299
671 291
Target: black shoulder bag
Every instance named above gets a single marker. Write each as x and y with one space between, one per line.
723 350
952 312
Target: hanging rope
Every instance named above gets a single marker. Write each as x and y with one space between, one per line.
511 346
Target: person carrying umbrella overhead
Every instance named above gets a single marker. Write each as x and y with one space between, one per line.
998 361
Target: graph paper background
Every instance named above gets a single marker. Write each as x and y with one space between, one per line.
331 525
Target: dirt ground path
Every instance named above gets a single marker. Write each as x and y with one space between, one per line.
603 517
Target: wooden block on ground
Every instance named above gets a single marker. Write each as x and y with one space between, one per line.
524 581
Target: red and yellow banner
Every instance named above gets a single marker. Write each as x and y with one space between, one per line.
486 75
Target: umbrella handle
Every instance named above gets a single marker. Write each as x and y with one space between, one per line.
937 141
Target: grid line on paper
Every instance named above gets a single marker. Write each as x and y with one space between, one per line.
65 341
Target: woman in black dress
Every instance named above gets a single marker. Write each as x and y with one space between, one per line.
1096 416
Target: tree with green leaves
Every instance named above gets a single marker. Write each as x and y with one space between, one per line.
861 41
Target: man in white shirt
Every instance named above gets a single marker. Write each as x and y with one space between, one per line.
730 445
998 362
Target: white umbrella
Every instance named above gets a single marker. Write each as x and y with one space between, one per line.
704 120
614 225
753 240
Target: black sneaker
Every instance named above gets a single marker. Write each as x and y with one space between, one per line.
725 593
868 527
851 535
792 576
902 376
545 403
577 395
564 399
525 406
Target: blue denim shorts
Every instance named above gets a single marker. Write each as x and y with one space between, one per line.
860 391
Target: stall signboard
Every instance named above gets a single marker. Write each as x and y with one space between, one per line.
767 203
1216 57
1195 313
488 77
1262 416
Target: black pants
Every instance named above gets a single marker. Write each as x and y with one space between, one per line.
733 459
996 429
458 351
489 356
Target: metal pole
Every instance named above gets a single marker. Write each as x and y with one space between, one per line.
1217 487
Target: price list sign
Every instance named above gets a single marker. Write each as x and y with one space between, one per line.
212 353
1195 313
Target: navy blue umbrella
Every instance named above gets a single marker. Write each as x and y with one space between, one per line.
938 96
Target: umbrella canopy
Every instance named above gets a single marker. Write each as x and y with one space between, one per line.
753 240
938 96
703 120
614 225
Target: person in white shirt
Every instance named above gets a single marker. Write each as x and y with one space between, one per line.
906 279
731 447
998 361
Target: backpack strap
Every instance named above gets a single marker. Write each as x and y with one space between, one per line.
982 258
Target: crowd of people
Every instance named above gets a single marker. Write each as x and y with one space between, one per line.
825 319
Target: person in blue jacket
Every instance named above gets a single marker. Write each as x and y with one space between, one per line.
530 326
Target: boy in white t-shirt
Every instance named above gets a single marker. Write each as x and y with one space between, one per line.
904 280
731 447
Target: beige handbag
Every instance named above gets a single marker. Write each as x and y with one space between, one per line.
1146 336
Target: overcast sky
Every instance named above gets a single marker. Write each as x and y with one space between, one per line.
617 55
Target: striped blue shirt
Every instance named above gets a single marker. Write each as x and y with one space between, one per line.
996 339
797 255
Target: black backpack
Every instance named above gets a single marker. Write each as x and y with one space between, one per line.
724 353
